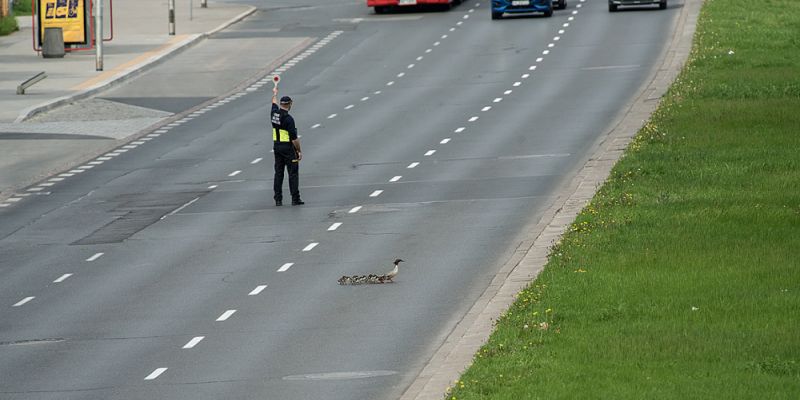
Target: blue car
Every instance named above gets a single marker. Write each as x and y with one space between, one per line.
500 7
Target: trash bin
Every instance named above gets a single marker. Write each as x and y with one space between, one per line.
53 46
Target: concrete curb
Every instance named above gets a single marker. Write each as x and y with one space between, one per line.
458 349
132 72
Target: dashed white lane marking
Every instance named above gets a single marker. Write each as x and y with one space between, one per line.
66 175
193 342
556 38
62 278
445 141
517 84
466 17
376 193
155 374
349 107
412 165
460 129
540 59
444 36
390 83
508 92
459 23
23 301
402 74
138 142
103 158
4 205
75 171
497 100
574 12
47 184
213 187
487 108
130 146
285 267
566 24
332 116
257 290
95 257
532 68
560 31
551 45
310 246
428 50
525 76
354 210
429 153
256 161
334 226
437 43
571 19
473 119
158 132
35 189
546 52
86 167
234 173
452 29
315 126
365 98
226 315
14 199
396 178
420 58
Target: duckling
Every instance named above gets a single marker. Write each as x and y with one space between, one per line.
371 278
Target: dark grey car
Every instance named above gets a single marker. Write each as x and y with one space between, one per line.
613 4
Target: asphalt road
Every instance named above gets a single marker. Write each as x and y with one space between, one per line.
428 136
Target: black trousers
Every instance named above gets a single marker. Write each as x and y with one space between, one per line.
285 157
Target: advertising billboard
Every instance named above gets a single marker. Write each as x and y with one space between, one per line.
69 15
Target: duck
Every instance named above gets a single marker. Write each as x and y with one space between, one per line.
371 278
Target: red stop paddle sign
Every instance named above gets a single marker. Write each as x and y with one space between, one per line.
276 79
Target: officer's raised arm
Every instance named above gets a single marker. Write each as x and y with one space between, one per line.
275 95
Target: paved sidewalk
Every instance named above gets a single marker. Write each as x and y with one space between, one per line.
140 38
54 125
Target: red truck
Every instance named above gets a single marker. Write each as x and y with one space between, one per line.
381 6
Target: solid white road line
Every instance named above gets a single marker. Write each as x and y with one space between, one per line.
396 178
155 374
376 193
95 257
226 315
194 342
310 246
62 278
334 226
354 210
285 267
257 290
23 301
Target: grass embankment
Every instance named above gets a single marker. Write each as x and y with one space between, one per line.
681 279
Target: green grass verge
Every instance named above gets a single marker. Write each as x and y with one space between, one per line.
681 279
22 7
8 25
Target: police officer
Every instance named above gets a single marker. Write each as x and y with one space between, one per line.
286 146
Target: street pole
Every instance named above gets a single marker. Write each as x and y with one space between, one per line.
203 3
172 17
98 30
